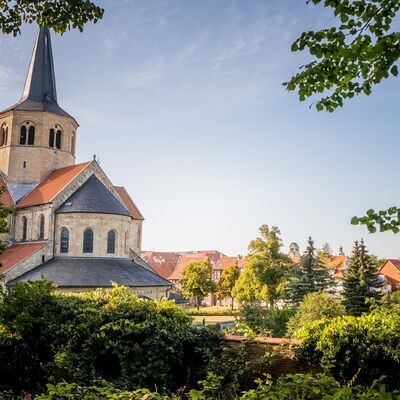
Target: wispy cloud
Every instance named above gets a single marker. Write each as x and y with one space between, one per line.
150 73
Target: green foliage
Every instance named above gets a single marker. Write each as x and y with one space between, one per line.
361 282
320 387
59 15
264 275
256 320
315 306
111 335
311 275
197 281
351 57
386 220
211 312
101 391
227 282
356 350
5 212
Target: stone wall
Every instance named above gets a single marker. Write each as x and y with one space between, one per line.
31 163
76 223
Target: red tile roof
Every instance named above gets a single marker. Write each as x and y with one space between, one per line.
225 262
52 185
163 263
5 197
17 253
133 210
184 261
394 261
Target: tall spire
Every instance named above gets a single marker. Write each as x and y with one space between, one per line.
40 83
40 86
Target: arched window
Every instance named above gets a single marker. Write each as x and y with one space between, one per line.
3 135
111 242
64 240
51 138
24 228
58 139
41 227
31 135
88 241
22 136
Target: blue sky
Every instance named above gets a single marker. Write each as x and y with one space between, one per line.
182 102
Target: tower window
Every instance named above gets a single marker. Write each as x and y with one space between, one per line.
41 227
31 135
51 138
111 242
24 164
3 135
88 241
58 139
64 241
24 228
22 136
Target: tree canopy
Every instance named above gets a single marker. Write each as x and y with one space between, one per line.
227 282
58 15
350 57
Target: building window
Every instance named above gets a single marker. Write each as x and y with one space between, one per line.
88 241
51 138
3 135
24 228
31 135
58 139
111 242
41 227
64 240
22 136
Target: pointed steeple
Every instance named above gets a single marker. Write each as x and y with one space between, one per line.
40 92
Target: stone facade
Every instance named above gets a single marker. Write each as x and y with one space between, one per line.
30 163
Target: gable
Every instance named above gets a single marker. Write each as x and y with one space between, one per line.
16 253
131 206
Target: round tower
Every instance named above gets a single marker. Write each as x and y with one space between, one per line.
37 135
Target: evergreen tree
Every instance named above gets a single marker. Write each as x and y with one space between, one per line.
311 275
361 281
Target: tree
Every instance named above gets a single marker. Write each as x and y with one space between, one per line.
314 306
5 212
197 281
326 250
310 276
264 273
227 282
351 57
58 15
361 281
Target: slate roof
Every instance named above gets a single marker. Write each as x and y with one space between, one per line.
93 197
70 272
40 92
52 185
17 253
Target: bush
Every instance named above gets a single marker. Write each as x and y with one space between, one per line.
356 349
321 387
112 335
253 319
314 306
101 391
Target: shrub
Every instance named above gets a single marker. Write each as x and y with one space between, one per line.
112 335
256 320
321 387
314 306
356 349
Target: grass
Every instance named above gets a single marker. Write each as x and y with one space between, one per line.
213 310
212 319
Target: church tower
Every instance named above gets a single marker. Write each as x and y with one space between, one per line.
36 135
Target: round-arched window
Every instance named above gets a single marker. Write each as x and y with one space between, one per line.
64 240
41 227
88 241
111 242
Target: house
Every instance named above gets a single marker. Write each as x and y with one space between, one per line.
71 225
390 269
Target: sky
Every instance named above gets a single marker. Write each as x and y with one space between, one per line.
182 102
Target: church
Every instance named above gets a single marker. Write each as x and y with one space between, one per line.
71 225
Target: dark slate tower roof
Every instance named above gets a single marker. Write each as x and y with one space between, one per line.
40 92
93 197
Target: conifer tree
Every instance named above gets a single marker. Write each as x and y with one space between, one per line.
361 281
311 275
